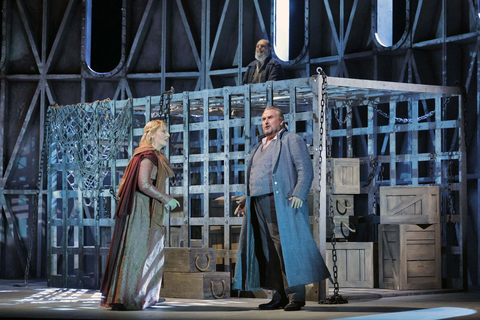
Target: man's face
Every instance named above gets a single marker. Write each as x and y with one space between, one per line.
262 51
271 124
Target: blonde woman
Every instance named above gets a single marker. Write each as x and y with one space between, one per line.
133 273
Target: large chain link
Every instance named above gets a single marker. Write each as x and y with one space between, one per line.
336 298
409 120
371 175
348 105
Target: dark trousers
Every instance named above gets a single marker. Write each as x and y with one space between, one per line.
268 250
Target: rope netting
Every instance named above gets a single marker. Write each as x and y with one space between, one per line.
88 136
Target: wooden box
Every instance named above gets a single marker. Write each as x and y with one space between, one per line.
342 227
409 256
190 260
410 205
342 205
211 285
355 263
346 176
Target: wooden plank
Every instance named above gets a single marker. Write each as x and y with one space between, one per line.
346 176
190 260
410 204
419 260
355 262
202 286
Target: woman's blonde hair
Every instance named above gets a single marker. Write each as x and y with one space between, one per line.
150 129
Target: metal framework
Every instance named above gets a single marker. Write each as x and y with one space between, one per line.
421 139
212 133
195 45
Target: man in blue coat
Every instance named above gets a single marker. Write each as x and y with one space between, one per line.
276 248
263 68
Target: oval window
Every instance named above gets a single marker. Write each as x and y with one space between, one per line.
103 34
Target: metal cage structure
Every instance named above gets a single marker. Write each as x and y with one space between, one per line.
212 132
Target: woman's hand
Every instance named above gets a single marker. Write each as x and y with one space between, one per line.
173 203
240 210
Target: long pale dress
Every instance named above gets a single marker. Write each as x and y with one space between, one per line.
138 275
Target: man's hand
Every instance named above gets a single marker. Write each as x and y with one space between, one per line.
296 202
240 210
173 203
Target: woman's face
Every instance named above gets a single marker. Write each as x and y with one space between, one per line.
160 137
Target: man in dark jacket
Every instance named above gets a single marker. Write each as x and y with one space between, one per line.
276 247
264 68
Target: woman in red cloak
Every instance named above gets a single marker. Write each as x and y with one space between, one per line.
133 273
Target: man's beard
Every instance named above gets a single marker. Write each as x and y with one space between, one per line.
261 57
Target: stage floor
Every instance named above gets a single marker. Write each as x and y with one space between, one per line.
40 302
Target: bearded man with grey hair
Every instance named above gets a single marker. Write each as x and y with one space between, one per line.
264 68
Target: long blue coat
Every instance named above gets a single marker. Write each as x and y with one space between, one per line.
292 176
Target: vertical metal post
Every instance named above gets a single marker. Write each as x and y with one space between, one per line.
323 288
226 177
463 205
393 145
206 171
163 59
414 133
240 42
186 171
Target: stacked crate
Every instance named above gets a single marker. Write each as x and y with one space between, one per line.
409 238
190 273
355 260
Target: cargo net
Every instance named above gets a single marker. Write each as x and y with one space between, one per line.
88 136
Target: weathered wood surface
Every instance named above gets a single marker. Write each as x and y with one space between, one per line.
343 204
203 286
342 223
346 176
410 205
192 260
409 257
355 262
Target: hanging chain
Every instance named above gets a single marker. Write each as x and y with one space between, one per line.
36 197
432 168
336 298
465 114
348 105
371 175
409 120
448 188
376 194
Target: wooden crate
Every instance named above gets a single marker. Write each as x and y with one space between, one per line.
209 285
410 205
192 260
346 176
342 222
409 256
355 263
343 205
